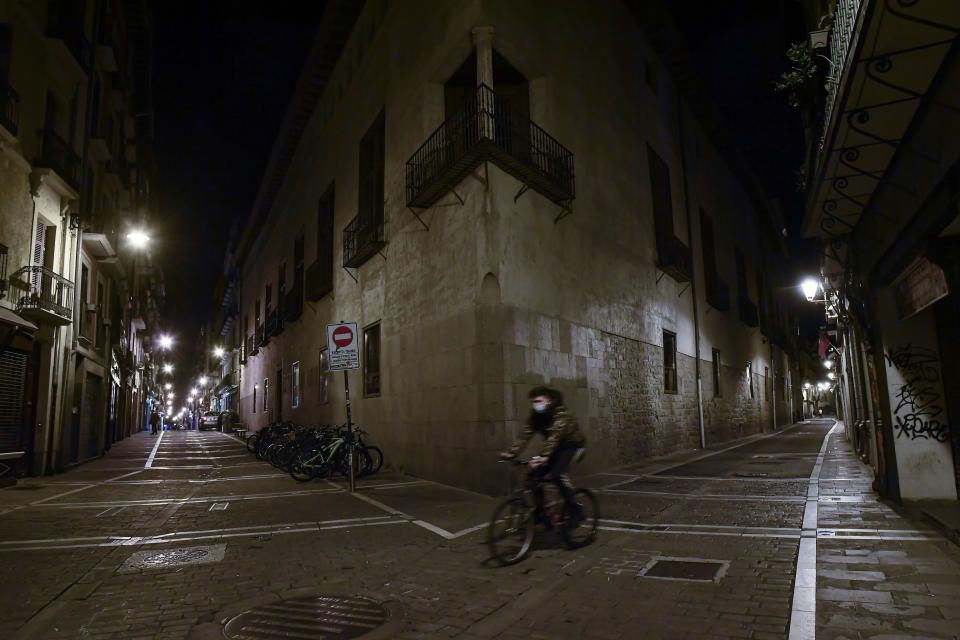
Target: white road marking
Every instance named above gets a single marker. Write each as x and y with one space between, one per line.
154 452
803 616
709 496
117 541
159 502
60 495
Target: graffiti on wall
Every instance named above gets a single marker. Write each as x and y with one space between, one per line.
919 412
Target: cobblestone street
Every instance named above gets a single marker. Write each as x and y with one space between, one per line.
797 540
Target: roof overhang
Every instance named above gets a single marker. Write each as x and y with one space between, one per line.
896 51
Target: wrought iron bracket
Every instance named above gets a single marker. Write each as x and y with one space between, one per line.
684 290
454 191
522 191
419 219
660 277
565 210
347 269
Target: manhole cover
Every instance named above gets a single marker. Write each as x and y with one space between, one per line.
691 569
154 559
310 618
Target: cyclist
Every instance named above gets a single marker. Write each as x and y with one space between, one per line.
563 440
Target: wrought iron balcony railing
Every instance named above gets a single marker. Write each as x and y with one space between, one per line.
673 257
319 278
269 326
9 108
717 291
487 128
40 293
253 344
361 239
56 154
748 312
293 301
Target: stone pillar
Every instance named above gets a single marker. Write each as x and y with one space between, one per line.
483 41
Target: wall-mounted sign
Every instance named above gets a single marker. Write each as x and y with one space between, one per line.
922 284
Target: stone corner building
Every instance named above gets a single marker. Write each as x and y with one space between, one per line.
504 195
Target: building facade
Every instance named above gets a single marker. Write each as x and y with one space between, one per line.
881 197
503 196
75 174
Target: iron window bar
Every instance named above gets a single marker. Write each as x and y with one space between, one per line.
9 108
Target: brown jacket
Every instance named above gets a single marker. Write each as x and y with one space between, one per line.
562 429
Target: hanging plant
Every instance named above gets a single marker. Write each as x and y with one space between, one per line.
800 82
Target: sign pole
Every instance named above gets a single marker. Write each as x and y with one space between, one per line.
350 452
344 353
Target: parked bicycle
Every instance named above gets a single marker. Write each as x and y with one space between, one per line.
315 452
511 530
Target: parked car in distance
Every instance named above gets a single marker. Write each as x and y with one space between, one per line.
209 420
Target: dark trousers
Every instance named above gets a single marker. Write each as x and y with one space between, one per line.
555 471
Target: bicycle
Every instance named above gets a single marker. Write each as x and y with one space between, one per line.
511 530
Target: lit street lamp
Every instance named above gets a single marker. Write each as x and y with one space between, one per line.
218 352
166 342
168 386
138 238
810 287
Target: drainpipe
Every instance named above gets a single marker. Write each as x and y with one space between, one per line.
693 276
773 388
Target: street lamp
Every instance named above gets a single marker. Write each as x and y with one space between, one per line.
138 238
807 385
202 381
166 342
828 363
168 368
831 375
193 391
810 287
218 351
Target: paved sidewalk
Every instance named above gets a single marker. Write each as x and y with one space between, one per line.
71 544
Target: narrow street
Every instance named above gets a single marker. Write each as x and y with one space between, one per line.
173 536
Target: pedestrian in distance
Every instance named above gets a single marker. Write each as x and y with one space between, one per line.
563 440
154 423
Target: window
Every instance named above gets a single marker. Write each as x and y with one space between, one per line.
266 393
750 377
669 362
371 360
84 297
256 314
268 299
717 392
254 410
295 384
324 393
325 227
371 174
707 244
766 383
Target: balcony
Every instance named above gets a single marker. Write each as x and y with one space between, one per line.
673 257
293 301
252 347
487 129
69 29
42 295
361 239
748 312
59 156
9 108
718 291
269 326
319 279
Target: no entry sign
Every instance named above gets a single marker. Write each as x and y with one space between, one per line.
343 346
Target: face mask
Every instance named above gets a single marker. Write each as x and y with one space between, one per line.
540 408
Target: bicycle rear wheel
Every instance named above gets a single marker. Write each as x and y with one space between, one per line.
252 442
371 459
301 470
510 532
580 520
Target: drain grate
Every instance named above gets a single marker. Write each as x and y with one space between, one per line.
310 618
174 557
689 569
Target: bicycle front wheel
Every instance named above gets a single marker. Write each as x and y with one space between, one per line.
580 520
510 532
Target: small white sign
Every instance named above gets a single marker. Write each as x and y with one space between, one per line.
343 345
